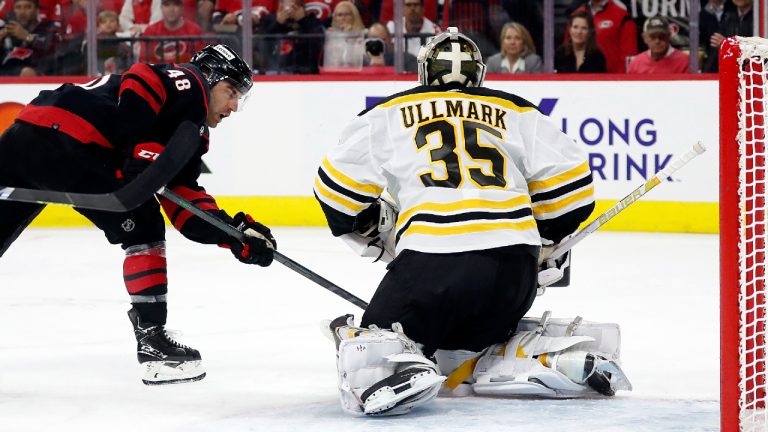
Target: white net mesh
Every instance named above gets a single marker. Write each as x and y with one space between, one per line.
753 113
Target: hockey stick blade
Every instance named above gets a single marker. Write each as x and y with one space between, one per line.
633 196
282 259
177 153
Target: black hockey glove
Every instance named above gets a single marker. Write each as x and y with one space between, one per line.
133 167
259 247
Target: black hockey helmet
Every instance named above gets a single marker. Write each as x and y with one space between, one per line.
451 57
220 62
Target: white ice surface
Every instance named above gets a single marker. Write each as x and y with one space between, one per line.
67 352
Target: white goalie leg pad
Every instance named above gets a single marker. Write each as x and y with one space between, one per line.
164 372
383 372
553 358
458 365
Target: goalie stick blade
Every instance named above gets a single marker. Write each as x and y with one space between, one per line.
176 154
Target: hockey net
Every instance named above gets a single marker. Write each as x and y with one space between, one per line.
743 115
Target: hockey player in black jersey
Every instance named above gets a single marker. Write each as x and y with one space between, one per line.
485 186
92 138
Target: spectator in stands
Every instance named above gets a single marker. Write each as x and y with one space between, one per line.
580 53
710 19
74 20
113 56
471 17
287 54
379 37
661 57
738 22
616 32
518 53
47 10
345 39
346 18
530 14
136 15
322 9
227 15
27 44
384 10
415 23
173 25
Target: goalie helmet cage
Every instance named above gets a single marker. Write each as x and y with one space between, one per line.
743 120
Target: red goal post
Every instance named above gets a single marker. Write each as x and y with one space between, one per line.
743 115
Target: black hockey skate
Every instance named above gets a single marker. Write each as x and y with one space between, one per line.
165 361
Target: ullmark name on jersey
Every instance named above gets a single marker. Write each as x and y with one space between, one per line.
422 112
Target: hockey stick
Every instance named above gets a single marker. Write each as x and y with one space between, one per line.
601 220
176 154
282 259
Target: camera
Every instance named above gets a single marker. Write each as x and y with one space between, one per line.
374 46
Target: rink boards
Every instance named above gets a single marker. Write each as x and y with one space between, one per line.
264 158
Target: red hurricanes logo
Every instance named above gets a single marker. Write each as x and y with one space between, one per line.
167 51
322 10
605 24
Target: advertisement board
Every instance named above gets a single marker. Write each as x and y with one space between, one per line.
266 156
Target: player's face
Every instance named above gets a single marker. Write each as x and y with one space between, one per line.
224 100
579 31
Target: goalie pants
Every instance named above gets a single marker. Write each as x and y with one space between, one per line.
41 158
467 300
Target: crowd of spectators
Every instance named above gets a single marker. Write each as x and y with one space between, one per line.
48 37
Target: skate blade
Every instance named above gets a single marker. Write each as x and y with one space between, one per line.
386 399
161 373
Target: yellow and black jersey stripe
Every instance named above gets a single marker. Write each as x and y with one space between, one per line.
341 197
561 202
466 217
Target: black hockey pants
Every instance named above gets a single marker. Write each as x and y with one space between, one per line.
41 158
467 300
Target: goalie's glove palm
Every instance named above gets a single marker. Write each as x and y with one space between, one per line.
259 245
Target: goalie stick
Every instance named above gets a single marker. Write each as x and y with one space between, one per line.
282 259
171 160
633 196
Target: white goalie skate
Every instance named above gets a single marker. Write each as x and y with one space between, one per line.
381 372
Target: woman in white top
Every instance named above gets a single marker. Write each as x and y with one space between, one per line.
518 53
345 38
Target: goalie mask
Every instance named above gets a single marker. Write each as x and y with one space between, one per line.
451 57
219 62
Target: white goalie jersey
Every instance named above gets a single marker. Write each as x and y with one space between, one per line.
469 168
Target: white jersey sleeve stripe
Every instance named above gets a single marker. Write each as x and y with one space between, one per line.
349 183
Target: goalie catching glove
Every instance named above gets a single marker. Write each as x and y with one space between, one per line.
374 231
259 245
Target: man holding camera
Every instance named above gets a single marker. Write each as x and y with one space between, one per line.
26 42
380 51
